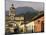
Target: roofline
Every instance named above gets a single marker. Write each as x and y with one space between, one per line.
38 16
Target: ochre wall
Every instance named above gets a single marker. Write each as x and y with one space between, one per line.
38 24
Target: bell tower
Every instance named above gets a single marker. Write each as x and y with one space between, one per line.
12 10
11 18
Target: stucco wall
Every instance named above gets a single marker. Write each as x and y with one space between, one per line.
38 24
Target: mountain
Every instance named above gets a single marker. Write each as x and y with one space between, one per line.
20 10
27 12
28 15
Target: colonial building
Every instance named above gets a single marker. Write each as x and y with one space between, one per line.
39 23
12 21
16 23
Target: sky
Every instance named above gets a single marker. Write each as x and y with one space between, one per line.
36 5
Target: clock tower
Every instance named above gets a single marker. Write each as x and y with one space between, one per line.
12 11
11 18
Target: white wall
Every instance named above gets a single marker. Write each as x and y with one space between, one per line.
30 26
